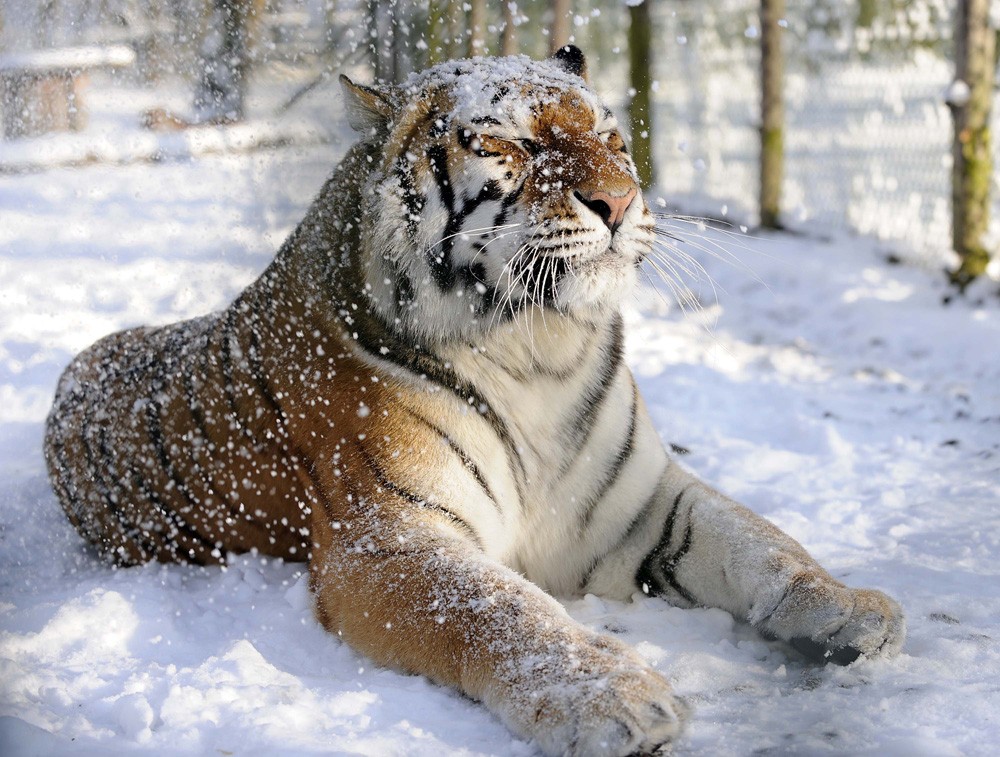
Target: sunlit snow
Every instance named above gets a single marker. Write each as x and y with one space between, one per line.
827 389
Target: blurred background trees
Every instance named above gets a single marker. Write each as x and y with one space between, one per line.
872 115
224 62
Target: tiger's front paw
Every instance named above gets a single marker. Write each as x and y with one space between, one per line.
603 701
829 622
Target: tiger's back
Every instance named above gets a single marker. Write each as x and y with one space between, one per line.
183 442
162 444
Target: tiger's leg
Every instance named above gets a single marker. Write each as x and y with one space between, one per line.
409 586
715 552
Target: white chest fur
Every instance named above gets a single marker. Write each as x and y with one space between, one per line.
580 458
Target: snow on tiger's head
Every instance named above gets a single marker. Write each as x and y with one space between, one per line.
504 186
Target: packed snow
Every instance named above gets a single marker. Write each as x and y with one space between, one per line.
828 389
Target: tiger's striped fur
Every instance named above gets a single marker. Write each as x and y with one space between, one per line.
424 396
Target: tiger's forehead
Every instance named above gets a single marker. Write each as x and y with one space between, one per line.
512 93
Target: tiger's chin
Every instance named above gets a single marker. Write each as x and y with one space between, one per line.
597 286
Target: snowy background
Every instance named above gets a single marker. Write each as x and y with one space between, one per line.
824 386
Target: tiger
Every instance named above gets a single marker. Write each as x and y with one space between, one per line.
425 397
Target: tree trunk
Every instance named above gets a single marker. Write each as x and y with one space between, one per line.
437 32
477 28
456 24
400 26
381 31
640 39
867 13
559 33
508 38
772 112
370 37
221 91
972 166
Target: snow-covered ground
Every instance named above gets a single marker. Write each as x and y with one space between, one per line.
828 389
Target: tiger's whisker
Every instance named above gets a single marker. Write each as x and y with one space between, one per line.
713 249
467 232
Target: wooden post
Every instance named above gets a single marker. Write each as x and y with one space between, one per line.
970 99
772 112
508 38
477 28
437 45
456 23
867 13
559 33
640 52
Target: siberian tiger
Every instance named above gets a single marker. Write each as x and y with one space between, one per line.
424 396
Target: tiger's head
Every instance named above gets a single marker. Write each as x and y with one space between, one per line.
502 186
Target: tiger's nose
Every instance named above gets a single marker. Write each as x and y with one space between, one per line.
611 208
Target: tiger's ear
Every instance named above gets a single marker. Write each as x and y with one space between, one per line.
368 109
572 60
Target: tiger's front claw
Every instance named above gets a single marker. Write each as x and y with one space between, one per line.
603 701
875 628
828 622
817 652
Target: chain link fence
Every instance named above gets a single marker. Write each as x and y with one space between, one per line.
867 138
868 134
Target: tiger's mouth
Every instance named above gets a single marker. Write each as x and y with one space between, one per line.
607 257
610 257
568 281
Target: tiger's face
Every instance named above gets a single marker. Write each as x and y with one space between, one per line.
504 187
